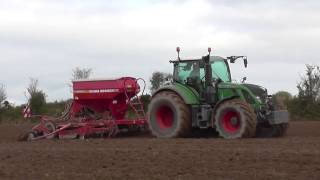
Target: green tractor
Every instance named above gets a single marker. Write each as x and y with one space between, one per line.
202 96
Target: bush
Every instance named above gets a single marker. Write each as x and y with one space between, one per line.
281 100
54 108
37 102
11 114
303 109
307 104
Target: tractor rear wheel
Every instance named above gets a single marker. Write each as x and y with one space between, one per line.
169 116
235 119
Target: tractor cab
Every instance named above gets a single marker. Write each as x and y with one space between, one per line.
186 71
204 74
192 73
192 70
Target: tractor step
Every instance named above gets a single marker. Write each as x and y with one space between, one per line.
203 124
201 116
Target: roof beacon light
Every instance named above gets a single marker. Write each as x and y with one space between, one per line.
178 51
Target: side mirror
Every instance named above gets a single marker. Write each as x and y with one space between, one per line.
245 61
244 79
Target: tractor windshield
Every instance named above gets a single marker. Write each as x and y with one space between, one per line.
193 69
188 69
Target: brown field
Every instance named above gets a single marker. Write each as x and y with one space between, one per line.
296 156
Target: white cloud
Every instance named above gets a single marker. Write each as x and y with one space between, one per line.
47 39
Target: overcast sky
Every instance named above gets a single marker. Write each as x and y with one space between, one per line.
46 39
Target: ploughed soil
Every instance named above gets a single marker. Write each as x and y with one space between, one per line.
296 156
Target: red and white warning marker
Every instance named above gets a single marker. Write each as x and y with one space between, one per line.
26 112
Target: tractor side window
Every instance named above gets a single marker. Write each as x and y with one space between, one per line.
220 70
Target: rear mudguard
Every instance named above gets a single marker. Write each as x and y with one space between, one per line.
188 94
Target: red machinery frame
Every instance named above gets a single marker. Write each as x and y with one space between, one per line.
109 98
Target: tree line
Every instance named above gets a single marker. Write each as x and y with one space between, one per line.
304 105
307 103
36 99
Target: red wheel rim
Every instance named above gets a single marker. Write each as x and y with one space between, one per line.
164 115
231 122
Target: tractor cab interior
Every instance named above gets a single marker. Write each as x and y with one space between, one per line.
192 72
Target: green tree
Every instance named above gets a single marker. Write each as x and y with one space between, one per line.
81 73
157 79
145 99
281 100
307 104
6 104
3 94
37 98
309 87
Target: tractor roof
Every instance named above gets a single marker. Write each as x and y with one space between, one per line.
212 58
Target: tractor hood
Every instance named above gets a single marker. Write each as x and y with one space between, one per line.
252 95
258 91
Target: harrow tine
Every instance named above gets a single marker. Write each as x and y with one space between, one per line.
53 133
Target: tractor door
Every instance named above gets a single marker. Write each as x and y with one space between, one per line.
189 74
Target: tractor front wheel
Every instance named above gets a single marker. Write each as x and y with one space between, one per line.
169 116
235 119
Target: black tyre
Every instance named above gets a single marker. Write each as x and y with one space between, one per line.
29 136
276 130
235 119
169 116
